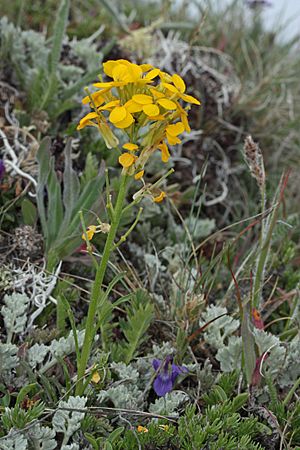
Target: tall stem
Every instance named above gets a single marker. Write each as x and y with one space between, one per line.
90 327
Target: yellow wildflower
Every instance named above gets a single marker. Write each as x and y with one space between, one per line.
126 160
138 97
172 131
130 146
159 198
139 175
178 87
142 429
165 154
90 231
96 377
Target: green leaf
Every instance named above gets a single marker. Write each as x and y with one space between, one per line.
139 316
59 29
71 184
29 212
68 309
55 205
24 391
239 401
115 434
43 158
249 355
92 440
221 394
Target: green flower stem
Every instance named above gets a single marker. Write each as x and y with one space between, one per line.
90 327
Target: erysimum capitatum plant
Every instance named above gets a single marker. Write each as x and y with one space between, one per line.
148 105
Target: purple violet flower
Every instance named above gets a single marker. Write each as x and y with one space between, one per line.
2 169
166 374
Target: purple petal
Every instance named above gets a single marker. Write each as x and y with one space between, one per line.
162 385
177 370
156 363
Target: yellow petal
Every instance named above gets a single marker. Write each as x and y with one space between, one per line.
95 377
106 84
165 154
126 160
166 103
109 84
157 93
108 67
120 72
125 123
151 110
142 429
179 83
152 74
130 146
110 105
170 87
135 72
173 140
175 129
86 119
146 67
142 99
96 97
159 117
185 122
90 231
165 77
133 107
190 99
160 197
118 113
139 175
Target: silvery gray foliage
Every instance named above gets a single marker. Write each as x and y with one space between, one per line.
230 356
39 353
14 313
24 48
267 342
17 442
36 354
199 228
8 357
68 422
169 404
162 350
123 396
42 438
219 330
65 346
205 376
70 447
125 372
290 371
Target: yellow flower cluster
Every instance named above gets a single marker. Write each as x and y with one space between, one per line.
143 101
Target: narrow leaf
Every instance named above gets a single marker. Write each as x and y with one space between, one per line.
71 184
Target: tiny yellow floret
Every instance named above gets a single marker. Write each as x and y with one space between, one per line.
139 175
126 160
96 377
142 429
130 146
90 231
160 197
